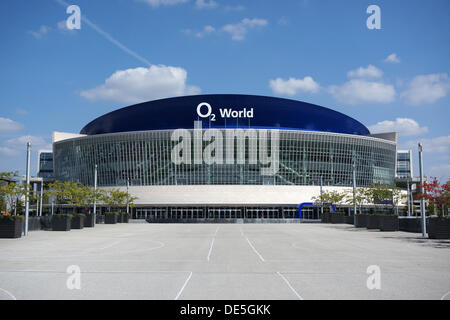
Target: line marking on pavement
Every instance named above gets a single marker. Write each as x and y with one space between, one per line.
93 271
8 293
110 245
443 297
184 285
289 285
242 233
260 256
210 249
212 244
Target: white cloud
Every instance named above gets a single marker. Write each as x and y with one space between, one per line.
441 172
238 7
206 30
157 3
204 4
21 112
392 58
292 86
16 146
43 30
142 84
62 26
358 91
8 125
427 88
9 152
369 72
404 126
20 143
239 30
432 145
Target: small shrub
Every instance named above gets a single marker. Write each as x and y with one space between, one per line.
17 217
63 215
112 213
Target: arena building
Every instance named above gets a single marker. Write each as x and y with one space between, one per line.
209 157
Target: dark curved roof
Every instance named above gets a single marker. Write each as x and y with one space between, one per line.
181 112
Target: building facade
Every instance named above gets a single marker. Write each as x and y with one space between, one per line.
224 156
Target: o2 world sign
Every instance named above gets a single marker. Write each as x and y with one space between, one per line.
204 110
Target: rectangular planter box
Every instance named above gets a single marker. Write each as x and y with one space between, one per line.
89 221
34 223
61 223
349 219
361 221
124 218
46 223
389 223
439 228
410 224
373 221
110 219
11 228
99 218
337 218
77 223
326 217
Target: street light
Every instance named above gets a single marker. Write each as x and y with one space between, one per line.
128 206
95 192
422 201
354 190
27 187
321 197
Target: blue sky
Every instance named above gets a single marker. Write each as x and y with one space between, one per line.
392 79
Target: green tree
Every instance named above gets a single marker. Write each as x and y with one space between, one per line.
397 197
332 197
388 196
116 198
10 190
67 192
362 196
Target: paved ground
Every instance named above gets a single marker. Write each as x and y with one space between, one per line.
234 261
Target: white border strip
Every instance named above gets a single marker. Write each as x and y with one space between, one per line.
289 285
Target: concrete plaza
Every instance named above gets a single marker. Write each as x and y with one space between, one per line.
223 261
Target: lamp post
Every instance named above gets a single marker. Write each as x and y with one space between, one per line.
42 195
27 188
422 201
95 192
95 188
408 196
321 199
354 191
128 185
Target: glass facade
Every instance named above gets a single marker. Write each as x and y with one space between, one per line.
404 164
305 158
222 213
45 165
